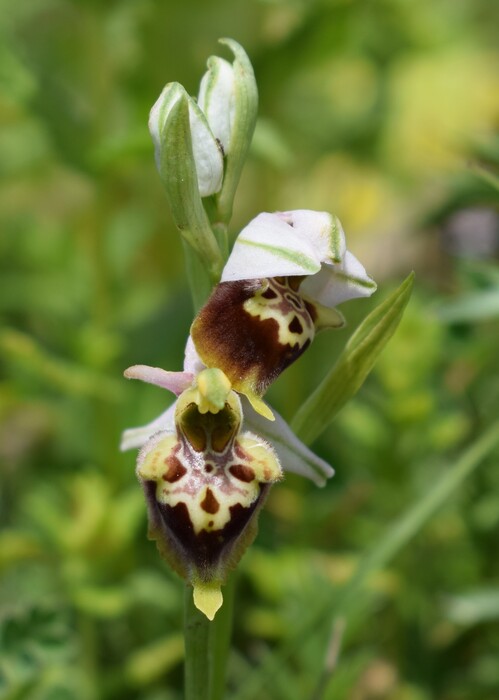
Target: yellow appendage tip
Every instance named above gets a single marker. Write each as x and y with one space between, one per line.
260 406
208 598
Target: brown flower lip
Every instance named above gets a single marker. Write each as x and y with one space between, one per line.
253 330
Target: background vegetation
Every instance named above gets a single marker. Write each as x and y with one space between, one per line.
381 111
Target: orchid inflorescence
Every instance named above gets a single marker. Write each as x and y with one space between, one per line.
207 463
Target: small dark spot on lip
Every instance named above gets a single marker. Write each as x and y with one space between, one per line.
295 325
269 294
209 503
242 472
175 470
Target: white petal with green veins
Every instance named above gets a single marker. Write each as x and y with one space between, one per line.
335 284
323 231
270 247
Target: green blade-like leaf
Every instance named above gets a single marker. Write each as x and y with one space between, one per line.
487 176
178 172
413 520
353 365
397 535
479 306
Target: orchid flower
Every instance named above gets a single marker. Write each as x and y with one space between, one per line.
281 284
206 472
293 454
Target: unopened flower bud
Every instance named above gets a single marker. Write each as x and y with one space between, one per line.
217 99
207 154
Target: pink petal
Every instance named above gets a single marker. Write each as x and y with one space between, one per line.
176 382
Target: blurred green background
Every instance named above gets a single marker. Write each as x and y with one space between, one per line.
384 112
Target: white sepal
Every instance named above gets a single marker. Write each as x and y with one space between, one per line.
134 438
335 284
217 99
270 247
293 454
323 231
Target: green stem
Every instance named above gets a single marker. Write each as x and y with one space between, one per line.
198 276
219 642
197 643
207 647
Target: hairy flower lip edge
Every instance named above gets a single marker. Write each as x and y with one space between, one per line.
207 594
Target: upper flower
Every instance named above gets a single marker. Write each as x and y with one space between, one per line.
282 281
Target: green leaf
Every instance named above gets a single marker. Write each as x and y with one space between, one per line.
105 603
411 522
178 172
246 100
353 365
150 663
487 176
23 351
35 645
479 306
323 609
474 607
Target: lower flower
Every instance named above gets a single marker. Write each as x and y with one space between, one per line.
205 482
206 465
